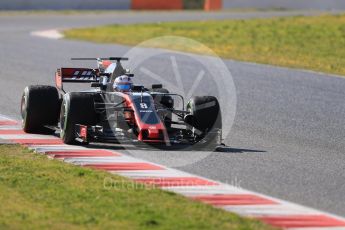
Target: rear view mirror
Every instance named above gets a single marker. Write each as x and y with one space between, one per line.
157 86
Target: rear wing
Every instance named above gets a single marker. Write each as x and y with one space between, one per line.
75 75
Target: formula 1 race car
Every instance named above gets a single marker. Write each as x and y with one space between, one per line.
103 114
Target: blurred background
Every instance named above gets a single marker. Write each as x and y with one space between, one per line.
171 4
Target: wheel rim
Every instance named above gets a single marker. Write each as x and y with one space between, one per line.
23 107
63 115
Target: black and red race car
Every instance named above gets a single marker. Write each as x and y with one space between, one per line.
101 114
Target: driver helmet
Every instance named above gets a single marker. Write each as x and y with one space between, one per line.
123 83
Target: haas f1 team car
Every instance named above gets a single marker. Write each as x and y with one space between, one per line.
102 114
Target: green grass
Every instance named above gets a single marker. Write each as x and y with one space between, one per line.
36 193
316 43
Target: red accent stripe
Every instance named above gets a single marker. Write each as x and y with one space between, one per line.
8 122
234 199
38 141
82 153
124 166
12 131
302 221
156 5
176 181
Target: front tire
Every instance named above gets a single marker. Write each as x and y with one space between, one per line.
207 120
76 108
39 108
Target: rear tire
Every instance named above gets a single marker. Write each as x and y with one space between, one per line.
76 108
207 120
39 107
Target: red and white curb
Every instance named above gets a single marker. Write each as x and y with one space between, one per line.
270 210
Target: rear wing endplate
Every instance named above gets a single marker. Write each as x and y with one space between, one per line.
75 75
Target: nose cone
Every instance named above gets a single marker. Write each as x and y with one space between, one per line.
153 132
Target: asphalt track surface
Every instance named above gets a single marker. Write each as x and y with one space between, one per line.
287 140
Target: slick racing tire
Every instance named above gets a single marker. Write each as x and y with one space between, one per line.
76 108
164 102
207 120
39 108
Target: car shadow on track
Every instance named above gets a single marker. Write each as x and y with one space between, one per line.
222 149
227 149
117 146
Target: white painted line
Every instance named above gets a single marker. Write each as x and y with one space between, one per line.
206 190
101 160
51 34
6 118
10 127
269 210
137 174
55 148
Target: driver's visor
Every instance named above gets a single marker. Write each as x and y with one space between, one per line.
124 86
